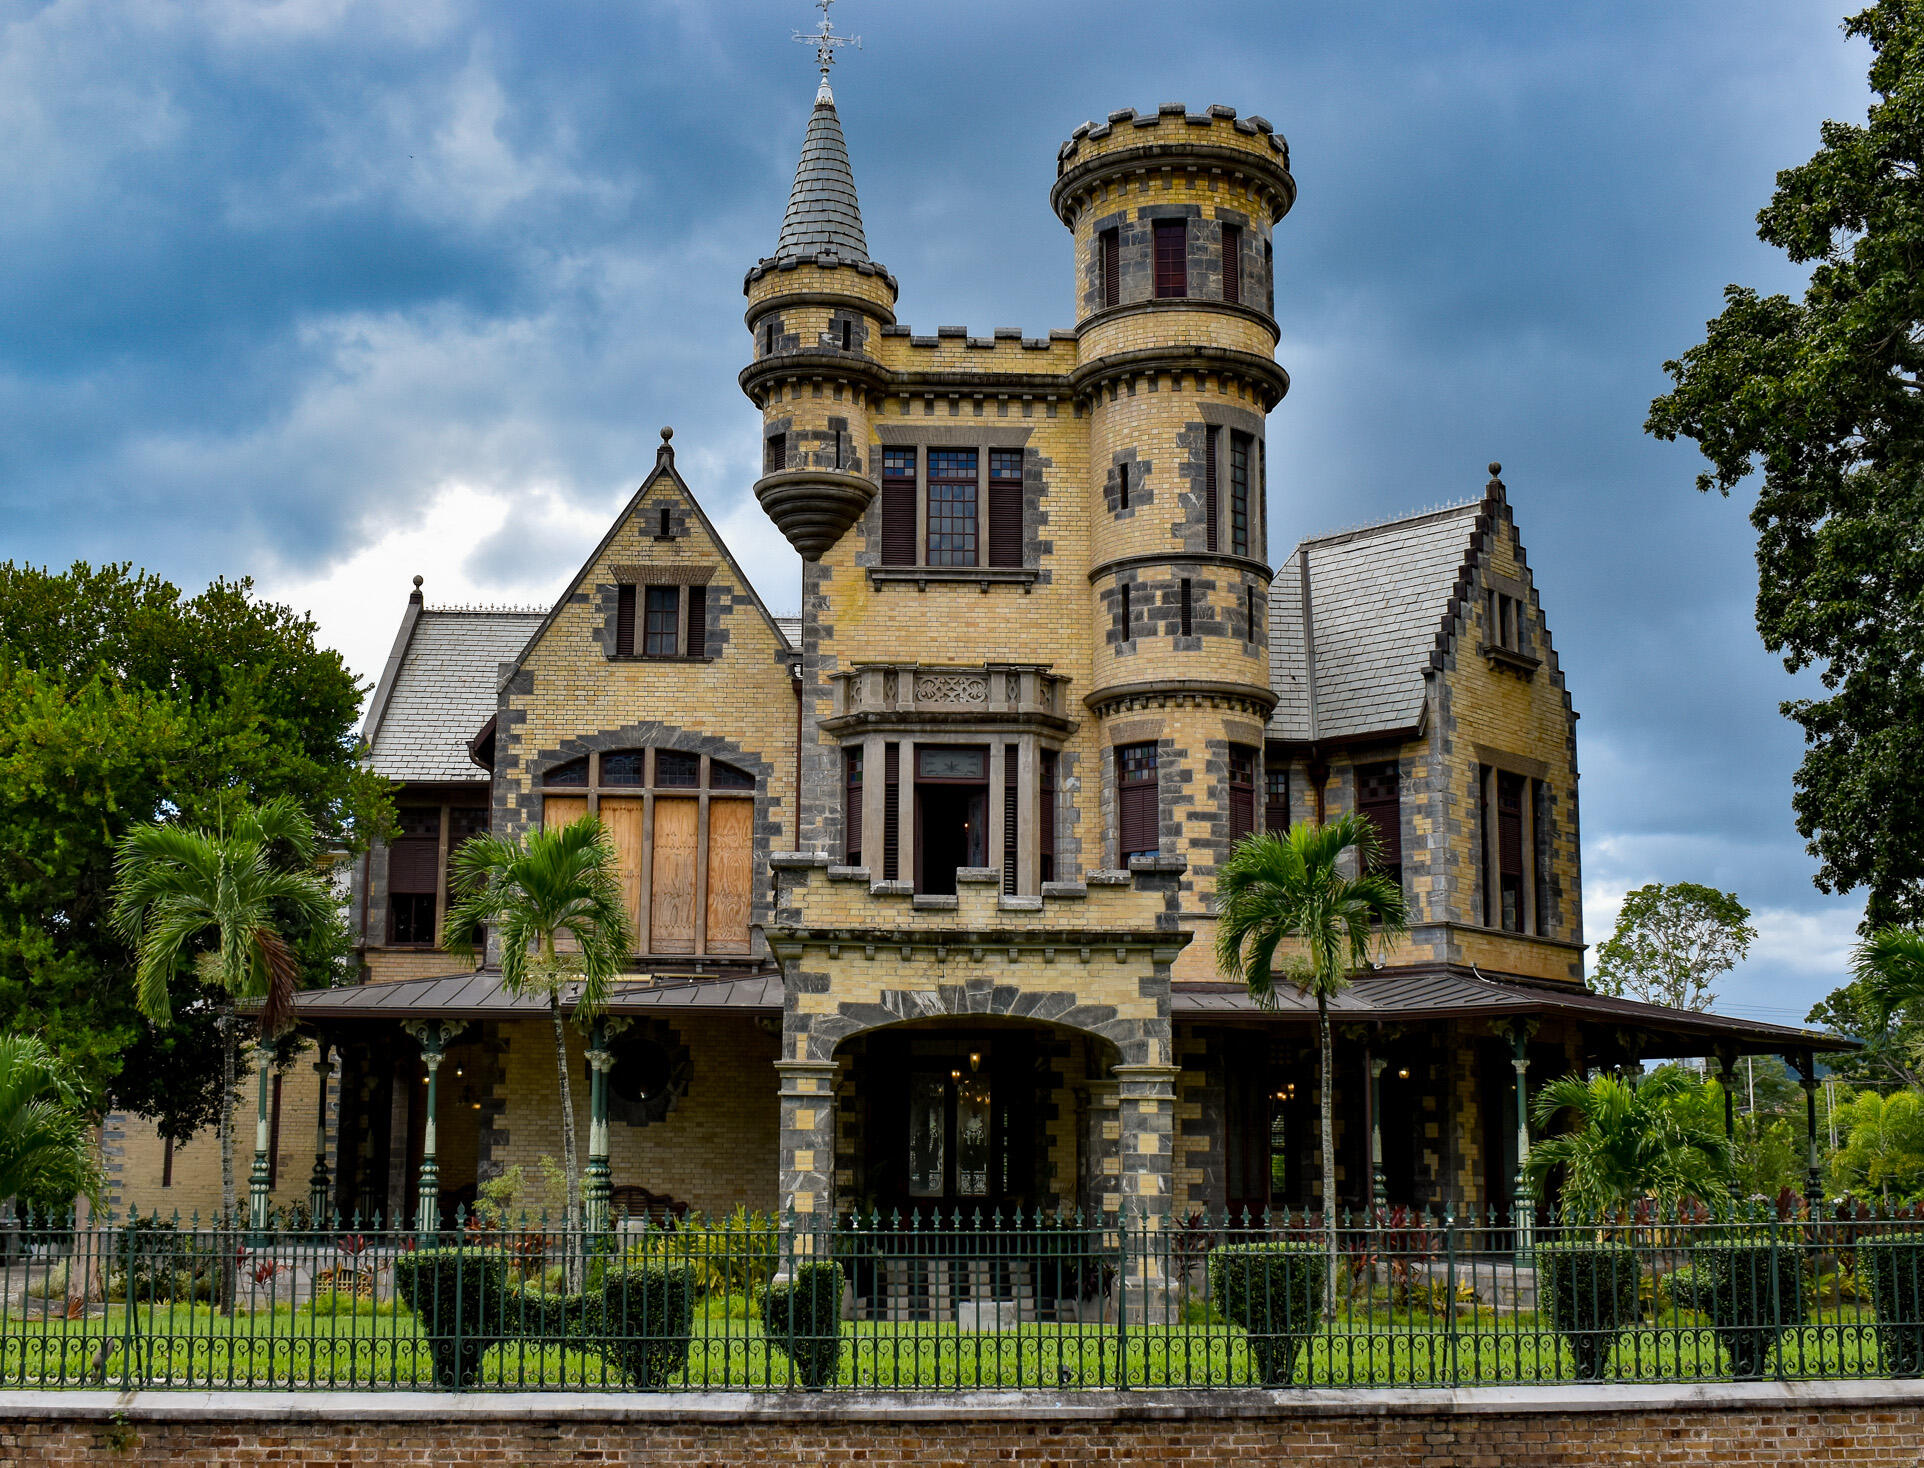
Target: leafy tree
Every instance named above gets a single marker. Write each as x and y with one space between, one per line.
47 1155
1630 1143
1892 1045
219 900
555 885
1294 888
123 702
1671 942
1828 394
1767 1142
1883 1150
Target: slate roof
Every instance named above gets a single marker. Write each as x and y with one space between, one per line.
439 688
823 215
791 628
1351 640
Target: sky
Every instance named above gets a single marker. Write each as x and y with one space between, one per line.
333 293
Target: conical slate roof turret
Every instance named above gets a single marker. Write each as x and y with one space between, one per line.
822 212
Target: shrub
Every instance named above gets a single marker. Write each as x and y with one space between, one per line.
1590 1292
1751 1285
50 1286
1895 1264
1274 1291
642 1320
459 1296
803 1318
733 1257
1689 1288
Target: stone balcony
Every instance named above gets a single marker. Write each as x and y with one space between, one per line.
910 695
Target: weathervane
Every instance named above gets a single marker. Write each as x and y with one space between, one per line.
825 41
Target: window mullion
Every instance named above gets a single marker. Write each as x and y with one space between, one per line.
921 504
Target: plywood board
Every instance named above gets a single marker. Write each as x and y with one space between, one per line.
672 908
623 818
731 846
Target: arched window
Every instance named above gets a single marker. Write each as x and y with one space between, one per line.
684 826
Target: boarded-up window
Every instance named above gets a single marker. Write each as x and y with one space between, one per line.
952 507
671 917
1379 801
1172 258
1046 811
625 620
731 853
1242 792
1005 507
852 806
1136 801
1275 790
698 621
1233 264
1111 267
1209 490
623 820
661 634
898 507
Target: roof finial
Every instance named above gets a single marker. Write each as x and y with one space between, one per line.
415 595
825 42
665 455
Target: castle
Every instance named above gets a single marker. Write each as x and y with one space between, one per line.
924 879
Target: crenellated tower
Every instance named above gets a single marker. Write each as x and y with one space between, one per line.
816 308
1172 215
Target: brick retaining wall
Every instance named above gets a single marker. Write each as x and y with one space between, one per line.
1755 1424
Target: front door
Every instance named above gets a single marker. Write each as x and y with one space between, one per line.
951 1123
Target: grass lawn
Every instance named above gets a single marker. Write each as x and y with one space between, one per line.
342 1344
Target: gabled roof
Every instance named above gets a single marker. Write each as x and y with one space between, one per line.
664 467
438 687
823 215
1353 619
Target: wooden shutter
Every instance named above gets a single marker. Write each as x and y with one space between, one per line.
1172 258
412 863
1379 800
671 916
1111 267
1136 793
1233 264
775 453
1209 489
623 818
898 507
1005 507
1011 814
625 620
698 621
852 806
1046 816
731 852
891 814
1242 792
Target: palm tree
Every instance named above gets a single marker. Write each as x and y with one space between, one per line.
1293 888
1631 1143
47 1154
222 896
558 882
1890 965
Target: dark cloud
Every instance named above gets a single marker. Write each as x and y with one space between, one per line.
273 278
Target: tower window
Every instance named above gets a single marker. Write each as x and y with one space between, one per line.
775 453
1172 258
1239 493
1233 264
1136 795
1209 490
1188 603
848 336
1122 485
768 338
1122 611
1249 607
1242 792
952 507
1111 257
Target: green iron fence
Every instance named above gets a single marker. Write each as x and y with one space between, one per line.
946 1303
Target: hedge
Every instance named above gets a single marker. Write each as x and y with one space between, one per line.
1895 1263
1589 1291
804 1318
1274 1291
1752 1286
460 1296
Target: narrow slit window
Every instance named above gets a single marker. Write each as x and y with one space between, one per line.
1122 485
1187 599
1249 614
848 336
1239 444
664 527
1122 612
1046 813
1209 490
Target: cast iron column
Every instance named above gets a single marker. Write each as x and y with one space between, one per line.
432 1036
1379 1184
258 1204
1522 1206
1813 1175
595 1179
317 1185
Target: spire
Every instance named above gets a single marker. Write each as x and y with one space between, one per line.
822 212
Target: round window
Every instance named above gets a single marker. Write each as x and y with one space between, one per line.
650 1073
